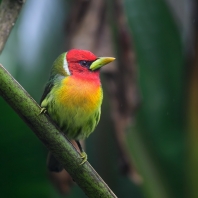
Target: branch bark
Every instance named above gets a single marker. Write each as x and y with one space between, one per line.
9 11
85 176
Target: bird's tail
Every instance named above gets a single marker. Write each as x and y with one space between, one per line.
53 164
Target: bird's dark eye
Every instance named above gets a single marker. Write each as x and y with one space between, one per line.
85 63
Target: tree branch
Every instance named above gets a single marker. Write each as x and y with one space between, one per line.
84 175
9 11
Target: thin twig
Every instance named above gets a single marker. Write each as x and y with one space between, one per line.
9 11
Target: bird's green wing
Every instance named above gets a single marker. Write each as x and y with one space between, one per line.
48 88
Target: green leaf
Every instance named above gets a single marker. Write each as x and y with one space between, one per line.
159 126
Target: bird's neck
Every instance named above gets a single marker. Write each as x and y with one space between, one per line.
92 77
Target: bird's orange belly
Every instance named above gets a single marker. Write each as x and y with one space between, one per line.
78 95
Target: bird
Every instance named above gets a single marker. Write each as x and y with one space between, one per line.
73 96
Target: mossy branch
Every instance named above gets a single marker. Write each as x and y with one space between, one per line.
84 175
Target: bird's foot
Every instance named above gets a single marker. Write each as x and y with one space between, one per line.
43 110
83 157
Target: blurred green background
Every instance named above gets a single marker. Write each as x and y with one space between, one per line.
164 41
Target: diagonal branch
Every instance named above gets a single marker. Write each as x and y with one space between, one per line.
86 177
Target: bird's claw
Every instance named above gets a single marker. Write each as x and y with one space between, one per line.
83 157
43 110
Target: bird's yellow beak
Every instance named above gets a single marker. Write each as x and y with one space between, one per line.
100 62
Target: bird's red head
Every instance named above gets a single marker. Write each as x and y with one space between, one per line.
79 61
85 62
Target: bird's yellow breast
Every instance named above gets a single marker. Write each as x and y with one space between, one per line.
79 95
